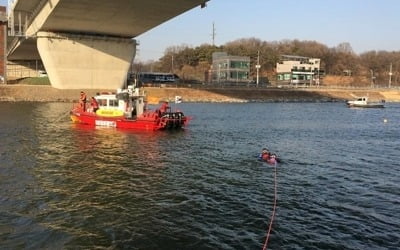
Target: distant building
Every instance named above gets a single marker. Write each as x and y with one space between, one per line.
153 78
298 70
229 69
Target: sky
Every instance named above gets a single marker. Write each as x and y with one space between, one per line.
365 24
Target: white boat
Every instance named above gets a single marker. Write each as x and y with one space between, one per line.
363 102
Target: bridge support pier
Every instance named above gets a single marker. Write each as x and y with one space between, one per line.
74 61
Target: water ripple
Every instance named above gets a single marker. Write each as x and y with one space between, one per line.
69 186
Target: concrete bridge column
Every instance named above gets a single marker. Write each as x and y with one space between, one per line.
74 61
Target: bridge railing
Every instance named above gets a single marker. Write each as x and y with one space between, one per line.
17 25
18 22
10 4
24 69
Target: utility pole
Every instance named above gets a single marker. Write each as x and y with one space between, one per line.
172 64
219 72
390 75
258 67
372 78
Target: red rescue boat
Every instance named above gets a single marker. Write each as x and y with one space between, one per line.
126 109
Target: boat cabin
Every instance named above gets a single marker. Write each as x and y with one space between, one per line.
362 99
128 103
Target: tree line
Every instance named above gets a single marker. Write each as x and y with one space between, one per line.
191 63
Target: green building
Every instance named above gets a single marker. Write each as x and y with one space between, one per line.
229 69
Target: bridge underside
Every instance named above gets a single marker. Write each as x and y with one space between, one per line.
84 61
86 43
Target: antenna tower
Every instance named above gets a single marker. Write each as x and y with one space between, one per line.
213 34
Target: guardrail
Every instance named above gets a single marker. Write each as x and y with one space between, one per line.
265 86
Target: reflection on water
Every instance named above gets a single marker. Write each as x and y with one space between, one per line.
64 185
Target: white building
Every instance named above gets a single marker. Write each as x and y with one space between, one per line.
298 70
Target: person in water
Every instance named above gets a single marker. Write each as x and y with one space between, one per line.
264 154
272 159
269 157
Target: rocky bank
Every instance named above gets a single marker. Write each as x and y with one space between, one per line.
45 93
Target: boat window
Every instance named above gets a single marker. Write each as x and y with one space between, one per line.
102 102
113 103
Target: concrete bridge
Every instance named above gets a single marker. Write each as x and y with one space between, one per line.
85 43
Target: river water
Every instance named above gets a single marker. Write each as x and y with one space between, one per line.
68 186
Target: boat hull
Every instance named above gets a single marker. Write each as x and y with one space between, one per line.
148 122
369 105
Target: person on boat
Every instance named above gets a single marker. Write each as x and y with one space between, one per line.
82 101
134 112
164 107
94 104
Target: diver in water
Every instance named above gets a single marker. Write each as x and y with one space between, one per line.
264 155
267 156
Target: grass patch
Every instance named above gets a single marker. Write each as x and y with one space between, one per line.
34 81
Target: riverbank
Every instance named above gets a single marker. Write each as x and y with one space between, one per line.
45 93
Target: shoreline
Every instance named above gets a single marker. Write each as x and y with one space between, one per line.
46 93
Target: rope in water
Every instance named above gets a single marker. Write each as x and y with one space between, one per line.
273 211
